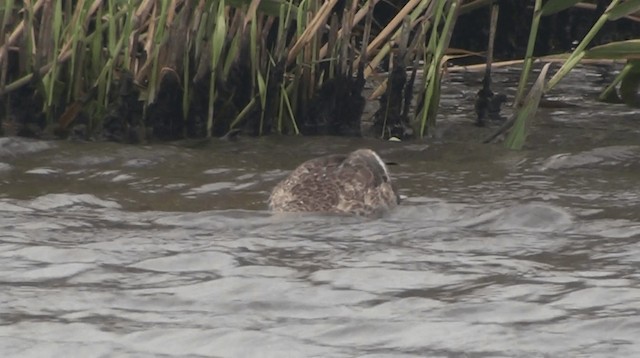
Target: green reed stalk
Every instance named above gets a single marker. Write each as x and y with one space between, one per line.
628 73
630 86
4 69
200 35
528 58
6 16
258 78
302 71
106 72
579 51
50 79
432 79
610 94
262 92
283 24
159 36
217 44
554 6
96 62
127 32
524 117
28 50
232 52
285 96
186 88
254 53
77 35
22 37
243 113
312 48
112 26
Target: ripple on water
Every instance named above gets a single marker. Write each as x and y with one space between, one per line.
333 286
54 201
209 188
5 167
381 280
224 342
39 274
200 261
13 146
10 207
533 217
73 340
43 171
489 259
605 156
50 254
601 300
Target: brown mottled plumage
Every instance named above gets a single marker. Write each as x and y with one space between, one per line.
357 183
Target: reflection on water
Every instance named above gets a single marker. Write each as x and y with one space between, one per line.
111 250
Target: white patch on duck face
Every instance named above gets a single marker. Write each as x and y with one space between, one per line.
379 160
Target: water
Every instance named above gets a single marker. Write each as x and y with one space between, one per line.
165 251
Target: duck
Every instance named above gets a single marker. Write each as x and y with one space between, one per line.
357 183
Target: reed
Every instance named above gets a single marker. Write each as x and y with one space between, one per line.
526 109
528 59
438 43
130 69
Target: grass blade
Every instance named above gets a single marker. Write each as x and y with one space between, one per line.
525 115
630 86
626 8
554 6
629 49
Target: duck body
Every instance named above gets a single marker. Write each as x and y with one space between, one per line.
357 183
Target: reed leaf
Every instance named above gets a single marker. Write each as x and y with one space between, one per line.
186 94
262 93
77 36
554 6
610 94
4 69
290 111
157 37
6 17
217 44
232 53
107 69
98 63
432 90
526 114
430 70
579 51
624 9
528 59
630 85
243 113
472 5
254 53
128 33
629 49
57 28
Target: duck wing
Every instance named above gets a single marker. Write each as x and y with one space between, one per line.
312 186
